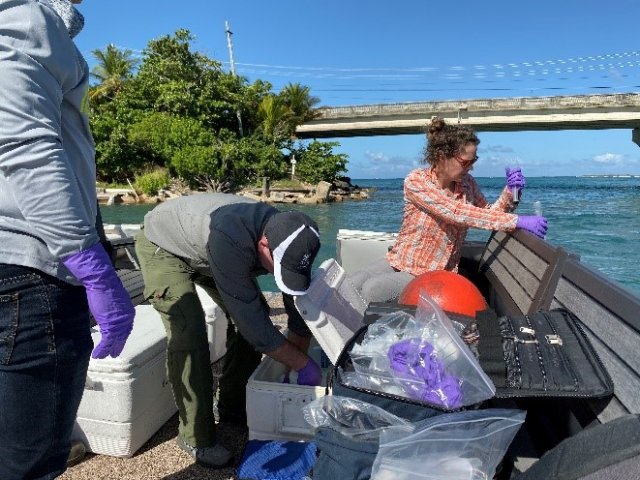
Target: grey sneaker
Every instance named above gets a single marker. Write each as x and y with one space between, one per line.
212 457
77 452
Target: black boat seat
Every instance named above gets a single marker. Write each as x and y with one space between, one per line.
603 452
522 270
134 284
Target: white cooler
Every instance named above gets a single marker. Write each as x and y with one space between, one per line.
274 409
127 399
357 248
333 311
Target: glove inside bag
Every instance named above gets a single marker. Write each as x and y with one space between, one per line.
422 358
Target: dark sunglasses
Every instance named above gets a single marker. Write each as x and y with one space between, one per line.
465 163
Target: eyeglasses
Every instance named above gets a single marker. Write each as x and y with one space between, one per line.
464 162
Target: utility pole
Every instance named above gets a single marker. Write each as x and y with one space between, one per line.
233 68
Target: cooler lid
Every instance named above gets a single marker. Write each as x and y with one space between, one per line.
332 309
148 339
356 249
347 234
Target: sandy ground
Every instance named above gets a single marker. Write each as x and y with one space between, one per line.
160 457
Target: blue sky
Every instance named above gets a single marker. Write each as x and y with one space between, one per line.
355 52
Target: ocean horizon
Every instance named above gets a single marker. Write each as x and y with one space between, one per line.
586 175
595 217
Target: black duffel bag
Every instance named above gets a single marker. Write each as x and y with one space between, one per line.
545 354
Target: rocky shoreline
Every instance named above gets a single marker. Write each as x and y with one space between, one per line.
323 192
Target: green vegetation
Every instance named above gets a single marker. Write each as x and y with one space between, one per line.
176 115
287 184
149 183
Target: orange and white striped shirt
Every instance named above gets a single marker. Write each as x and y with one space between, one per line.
436 221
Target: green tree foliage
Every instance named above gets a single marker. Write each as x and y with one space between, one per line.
275 117
176 80
151 182
177 109
317 162
165 134
114 67
230 164
117 158
300 102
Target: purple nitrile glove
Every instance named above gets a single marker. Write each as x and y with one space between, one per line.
515 182
515 178
533 223
310 374
422 375
412 358
446 392
108 300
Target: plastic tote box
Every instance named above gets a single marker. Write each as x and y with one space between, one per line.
334 312
358 248
127 399
332 308
274 409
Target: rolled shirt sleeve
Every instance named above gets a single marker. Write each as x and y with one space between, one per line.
450 209
435 222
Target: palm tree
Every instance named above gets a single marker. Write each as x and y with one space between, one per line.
275 117
301 103
114 67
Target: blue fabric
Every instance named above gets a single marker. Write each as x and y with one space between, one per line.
45 342
275 460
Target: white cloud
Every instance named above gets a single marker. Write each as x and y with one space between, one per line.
494 149
609 159
380 165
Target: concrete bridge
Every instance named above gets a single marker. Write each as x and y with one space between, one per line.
578 112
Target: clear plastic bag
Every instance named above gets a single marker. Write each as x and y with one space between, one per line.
352 418
451 350
422 358
465 445
369 357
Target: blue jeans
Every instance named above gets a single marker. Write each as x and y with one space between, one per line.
45 343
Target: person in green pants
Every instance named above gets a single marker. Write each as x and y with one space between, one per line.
222 242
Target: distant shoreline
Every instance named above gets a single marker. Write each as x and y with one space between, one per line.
612 175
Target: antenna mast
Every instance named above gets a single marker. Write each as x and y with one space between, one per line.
228 31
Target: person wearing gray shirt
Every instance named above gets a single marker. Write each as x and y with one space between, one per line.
223 242
53 268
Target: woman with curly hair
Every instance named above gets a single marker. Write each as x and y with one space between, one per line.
441 202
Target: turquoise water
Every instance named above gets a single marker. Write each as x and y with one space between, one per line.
597 218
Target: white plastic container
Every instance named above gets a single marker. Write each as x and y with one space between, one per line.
127 399
332 308
333 311
216 325
274 409
358 248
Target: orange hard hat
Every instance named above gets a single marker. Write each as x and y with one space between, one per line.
451 291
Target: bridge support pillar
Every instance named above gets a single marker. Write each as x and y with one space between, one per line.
635 136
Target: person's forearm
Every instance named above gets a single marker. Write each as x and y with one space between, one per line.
289 354
299 341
